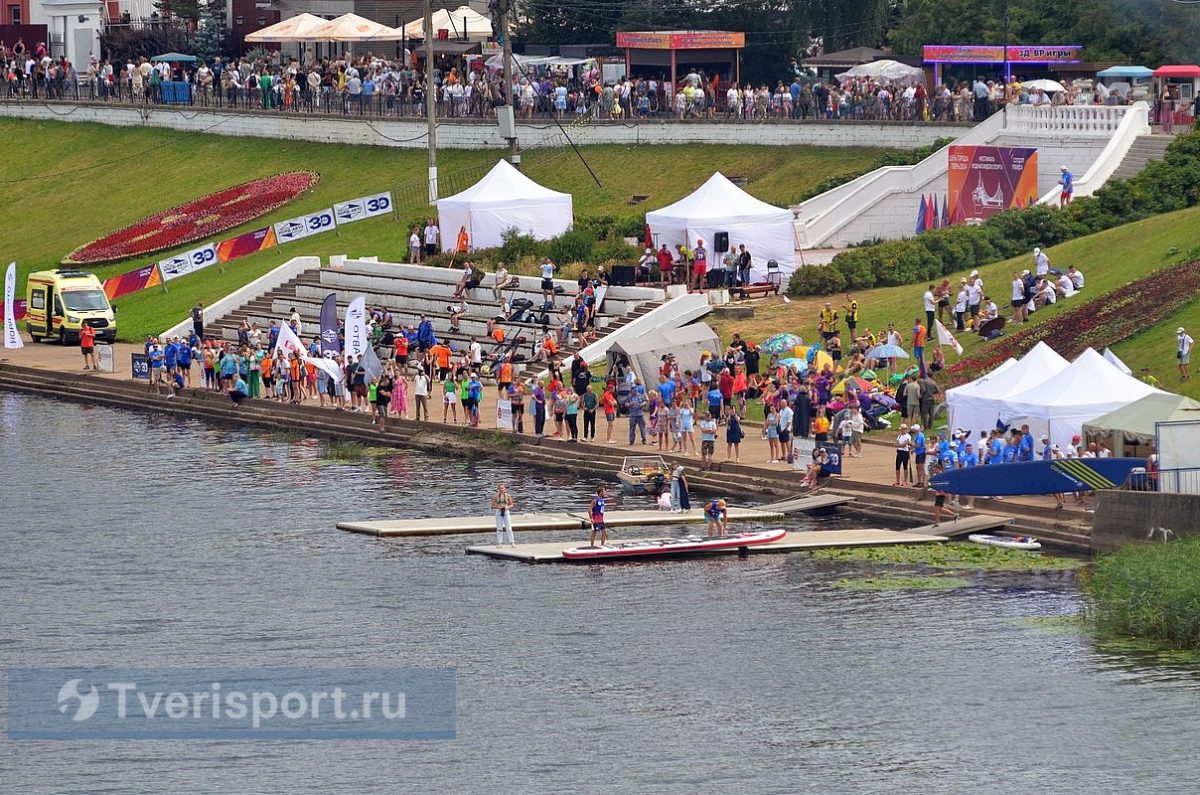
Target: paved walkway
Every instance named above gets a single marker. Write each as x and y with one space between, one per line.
876 466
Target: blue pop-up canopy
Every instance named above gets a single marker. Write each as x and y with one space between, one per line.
1130 72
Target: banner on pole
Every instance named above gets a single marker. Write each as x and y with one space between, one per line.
356 327
187 262
329 325
364 207
945 337
139 365
288 341
12 337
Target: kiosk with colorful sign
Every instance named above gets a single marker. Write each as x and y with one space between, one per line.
1022 54
651 53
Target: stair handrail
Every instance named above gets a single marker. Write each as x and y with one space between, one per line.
1134 124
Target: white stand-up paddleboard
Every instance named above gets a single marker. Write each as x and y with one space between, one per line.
1008 542
672 546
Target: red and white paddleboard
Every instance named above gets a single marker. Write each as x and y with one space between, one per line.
672 546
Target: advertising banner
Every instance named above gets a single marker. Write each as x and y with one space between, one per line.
304 226
12 337
187 262
246 244
18 310
139 365
365 207
104 358
504 415
985 180
994 53
132 281
329 325
356 327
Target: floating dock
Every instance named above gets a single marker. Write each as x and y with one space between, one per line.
792 542
964 527
578 520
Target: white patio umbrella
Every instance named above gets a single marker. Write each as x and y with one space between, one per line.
1049 86
298 28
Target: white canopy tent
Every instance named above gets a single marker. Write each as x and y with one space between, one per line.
504 199
645 352
1115 361
768 232
463 22
976 406
1090 387
352 28
301 27
885 70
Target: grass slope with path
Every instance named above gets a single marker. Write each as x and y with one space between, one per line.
1107 259
73 183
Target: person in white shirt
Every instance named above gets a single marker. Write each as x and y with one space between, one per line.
1183 352
990 310
432 235
475 353
1076 277
421 394
960 307
974 295
930 304
414 246
501 281
903 454
1041 262
547 269
1065 287
1018 298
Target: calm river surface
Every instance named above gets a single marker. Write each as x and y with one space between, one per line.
130 540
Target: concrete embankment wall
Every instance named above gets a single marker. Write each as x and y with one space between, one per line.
1126 516
413 133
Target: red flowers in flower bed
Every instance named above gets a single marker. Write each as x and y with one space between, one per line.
196 219
1099 323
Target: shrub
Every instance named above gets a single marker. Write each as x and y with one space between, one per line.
614 250
574 245
1149 591
514 245
816 280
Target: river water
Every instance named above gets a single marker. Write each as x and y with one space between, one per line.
133 540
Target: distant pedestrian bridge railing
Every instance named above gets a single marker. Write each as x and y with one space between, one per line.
1089 120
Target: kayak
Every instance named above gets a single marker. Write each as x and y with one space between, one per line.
672 546
1007 542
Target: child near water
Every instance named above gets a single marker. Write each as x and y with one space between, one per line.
939 501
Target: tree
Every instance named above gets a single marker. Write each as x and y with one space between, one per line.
211 34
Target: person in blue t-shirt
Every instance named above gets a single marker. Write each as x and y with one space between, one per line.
1010 451
943 448
1024 444
666 389
1047 450
920 451
995 452
184 359
171 355
969 458
714 400
474 396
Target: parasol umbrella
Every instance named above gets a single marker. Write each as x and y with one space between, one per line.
175 57
887 352
1049 86
853 383
792 361
780 343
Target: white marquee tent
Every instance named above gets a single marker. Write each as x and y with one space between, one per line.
645 352
718 205
504 199
1089 388
463 19
976 406
352 28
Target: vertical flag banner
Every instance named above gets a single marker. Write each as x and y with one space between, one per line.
329 325
370 362
945 337
356 327
985 180
921 216
12 337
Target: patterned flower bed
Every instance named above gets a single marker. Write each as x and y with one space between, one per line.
1099 323
196 219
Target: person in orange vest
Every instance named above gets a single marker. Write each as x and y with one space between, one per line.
464 241
505 378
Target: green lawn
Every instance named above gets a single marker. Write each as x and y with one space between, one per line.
1107 259
66 184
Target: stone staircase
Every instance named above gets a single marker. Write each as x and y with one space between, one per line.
1144 149
412 291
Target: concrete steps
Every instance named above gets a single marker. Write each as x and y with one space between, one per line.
1141 152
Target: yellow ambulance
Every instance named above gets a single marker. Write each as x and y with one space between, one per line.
60 302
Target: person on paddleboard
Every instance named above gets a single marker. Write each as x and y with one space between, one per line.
596 513
717 512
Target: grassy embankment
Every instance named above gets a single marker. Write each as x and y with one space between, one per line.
72 183
1108 260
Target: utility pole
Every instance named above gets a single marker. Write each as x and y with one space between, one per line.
431 102
509 99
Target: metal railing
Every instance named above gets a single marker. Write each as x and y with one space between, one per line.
1179 481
